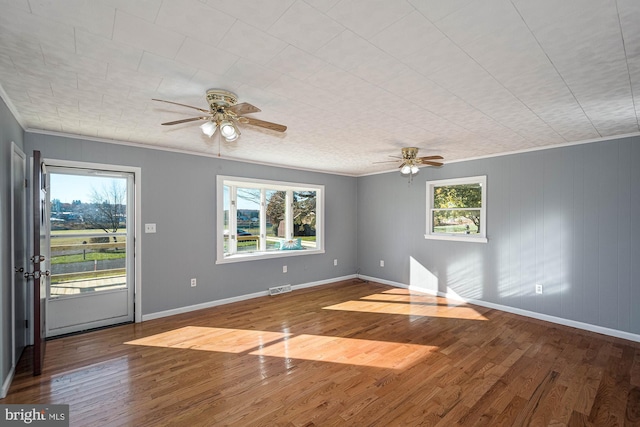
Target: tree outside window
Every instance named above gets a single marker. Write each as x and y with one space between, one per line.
457 208
260 218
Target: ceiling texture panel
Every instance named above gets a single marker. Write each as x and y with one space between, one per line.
353 80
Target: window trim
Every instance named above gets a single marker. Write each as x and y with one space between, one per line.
479 238
222 180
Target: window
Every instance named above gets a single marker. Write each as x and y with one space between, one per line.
265 219
456 209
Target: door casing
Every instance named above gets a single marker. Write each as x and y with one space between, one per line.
19 247
137 177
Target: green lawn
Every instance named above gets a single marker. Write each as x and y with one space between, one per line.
91 256
458 228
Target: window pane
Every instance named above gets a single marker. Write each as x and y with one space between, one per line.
456 222
304 217
268 217
82 263
457 196
88 234
248 230
275 218
226 206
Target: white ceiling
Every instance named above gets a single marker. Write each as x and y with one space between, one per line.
354 80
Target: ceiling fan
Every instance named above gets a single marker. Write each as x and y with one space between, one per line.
410 161
224 113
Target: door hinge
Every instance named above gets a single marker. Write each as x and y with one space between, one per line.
35 275
26 323
36 259
26 183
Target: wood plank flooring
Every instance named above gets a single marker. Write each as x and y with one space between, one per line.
344 354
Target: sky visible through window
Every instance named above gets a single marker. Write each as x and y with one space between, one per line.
68 188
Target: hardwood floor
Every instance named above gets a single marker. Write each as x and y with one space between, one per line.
349 353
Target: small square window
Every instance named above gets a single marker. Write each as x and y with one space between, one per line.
456 209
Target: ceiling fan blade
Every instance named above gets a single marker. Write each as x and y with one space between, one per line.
427 162
263 124
243 108
402 165
192 119
431 158
182 105
387 161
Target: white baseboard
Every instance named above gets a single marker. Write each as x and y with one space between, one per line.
547 318
215 303
7 383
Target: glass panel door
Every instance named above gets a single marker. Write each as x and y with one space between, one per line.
91 235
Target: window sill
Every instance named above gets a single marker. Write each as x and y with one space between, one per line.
456 238
254 256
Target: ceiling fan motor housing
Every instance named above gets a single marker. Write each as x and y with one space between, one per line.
409 153
219 98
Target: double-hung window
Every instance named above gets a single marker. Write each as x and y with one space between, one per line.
456 209
264 219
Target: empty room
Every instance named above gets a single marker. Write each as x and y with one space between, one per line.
320 213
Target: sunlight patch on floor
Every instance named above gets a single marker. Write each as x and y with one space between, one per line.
211 339
332 349
409 304
379 354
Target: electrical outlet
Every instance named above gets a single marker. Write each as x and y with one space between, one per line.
538 289
193 283
284 268
381 263
335 262
149 228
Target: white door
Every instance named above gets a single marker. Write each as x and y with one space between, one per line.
91 238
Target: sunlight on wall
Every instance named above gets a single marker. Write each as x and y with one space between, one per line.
465 276
557 255
373 353
421 278
538 253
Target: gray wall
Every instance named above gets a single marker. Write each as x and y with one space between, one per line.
566 218
10 131
179 195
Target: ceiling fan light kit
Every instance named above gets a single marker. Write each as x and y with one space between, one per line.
228 130
409 166
410 161
409 169
208 128
224 113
